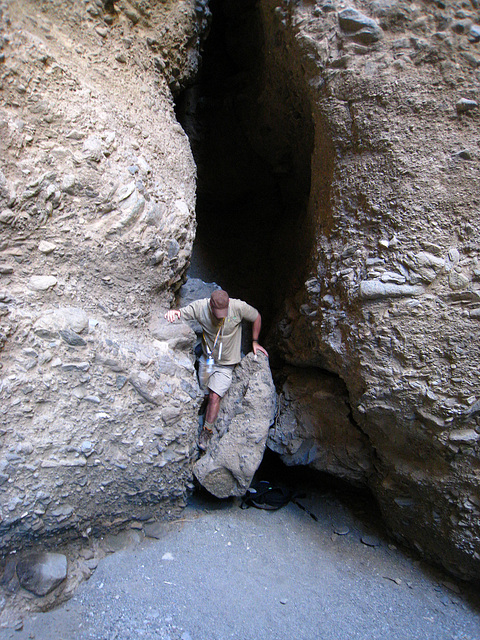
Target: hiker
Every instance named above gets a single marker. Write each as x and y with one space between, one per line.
220 318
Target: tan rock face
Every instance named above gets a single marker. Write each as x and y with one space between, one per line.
97 198
391 290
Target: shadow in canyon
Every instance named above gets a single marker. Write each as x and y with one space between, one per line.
252 140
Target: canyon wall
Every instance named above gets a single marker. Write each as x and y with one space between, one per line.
97 200
390 298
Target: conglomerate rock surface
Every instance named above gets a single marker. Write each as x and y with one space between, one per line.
390 296
97 199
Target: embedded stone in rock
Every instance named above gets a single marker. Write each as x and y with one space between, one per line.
195 289
46 247
464 105
42 283
237 446
372 289
72 338
474 33
178 335
42 572
363 28
464 436
92 149
72 318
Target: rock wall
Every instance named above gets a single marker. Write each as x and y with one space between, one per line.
314 426
97 198
390 297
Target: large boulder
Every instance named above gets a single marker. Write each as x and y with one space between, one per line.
314 427
362 28
236 449
42 572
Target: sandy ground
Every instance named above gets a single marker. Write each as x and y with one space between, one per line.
225 572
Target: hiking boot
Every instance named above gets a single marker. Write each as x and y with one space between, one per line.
204 438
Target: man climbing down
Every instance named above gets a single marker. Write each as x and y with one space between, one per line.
220 318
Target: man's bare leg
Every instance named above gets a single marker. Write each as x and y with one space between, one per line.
213 408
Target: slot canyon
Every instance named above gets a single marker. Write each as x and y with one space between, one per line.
318 159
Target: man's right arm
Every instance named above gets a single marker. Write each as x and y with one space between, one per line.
189 312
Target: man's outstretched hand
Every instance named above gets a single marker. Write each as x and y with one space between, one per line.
258 348
172 315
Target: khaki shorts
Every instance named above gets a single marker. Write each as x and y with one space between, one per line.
219 380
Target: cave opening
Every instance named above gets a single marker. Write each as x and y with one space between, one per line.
251 134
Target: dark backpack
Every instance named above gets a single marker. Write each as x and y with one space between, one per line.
263 495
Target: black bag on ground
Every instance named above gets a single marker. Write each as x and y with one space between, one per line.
263 495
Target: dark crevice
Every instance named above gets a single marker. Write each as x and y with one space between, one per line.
252 139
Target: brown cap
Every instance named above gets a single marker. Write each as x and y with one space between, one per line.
219 303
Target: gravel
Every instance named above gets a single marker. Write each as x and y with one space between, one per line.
225 572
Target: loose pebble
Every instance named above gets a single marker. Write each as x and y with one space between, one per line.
370 541
452 587
342 530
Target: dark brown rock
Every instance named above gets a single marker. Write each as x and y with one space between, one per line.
42 572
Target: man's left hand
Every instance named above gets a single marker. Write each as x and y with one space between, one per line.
258 348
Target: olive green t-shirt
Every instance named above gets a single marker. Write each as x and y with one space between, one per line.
230 335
